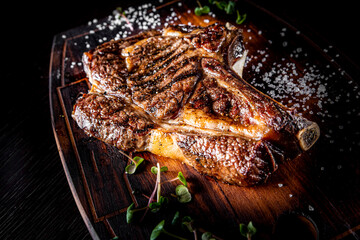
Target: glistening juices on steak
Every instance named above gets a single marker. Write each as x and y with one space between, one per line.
178 93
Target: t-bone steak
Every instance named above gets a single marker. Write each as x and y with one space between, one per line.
178 93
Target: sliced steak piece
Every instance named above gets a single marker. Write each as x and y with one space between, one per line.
233 160
113 121
105 68
182 87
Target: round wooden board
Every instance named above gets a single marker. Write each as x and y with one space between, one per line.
284 63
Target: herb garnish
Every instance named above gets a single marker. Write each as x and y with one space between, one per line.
156 202
230 7
179 177
176 219
154 169
122 14
188 223
207 236
159 229
247 230
240 18
135 162
200 10
227 6
182 194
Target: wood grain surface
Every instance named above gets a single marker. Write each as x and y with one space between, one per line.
36 202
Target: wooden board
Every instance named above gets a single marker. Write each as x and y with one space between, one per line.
321 184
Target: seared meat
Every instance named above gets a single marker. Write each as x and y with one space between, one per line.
230 159
179 94
113 121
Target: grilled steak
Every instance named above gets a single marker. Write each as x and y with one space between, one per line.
179 93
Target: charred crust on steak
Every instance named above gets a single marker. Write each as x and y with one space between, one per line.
232 160
113 121
178 90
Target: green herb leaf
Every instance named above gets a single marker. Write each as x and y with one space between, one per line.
230 7
157 230
120 10
131 168
156 206
198 11
251 229
207 236
130 213
160 229
240 18
187 223
247 230
220 5
182 178
176 219
154 170
243 229
138 159
201 10
162 169
183 194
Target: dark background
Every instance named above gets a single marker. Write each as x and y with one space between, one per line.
36 202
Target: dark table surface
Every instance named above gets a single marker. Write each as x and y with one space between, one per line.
36 202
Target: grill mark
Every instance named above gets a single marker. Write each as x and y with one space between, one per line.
183 77
161 73
155 91
145 52
159 56
157 69
153 83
